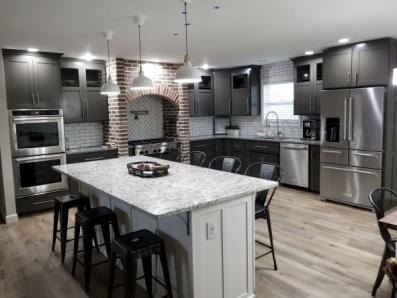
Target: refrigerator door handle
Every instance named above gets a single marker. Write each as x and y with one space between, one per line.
350 170
332 151
351 115
365 154
345 119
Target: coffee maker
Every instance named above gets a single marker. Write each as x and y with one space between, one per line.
311 130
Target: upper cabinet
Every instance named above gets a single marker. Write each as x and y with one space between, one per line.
81 86
32 80
358 65
237 91
308 77
201 96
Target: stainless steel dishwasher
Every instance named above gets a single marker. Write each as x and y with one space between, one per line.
294 161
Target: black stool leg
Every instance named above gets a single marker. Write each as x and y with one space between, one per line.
106 238
129 269
147 269
64 231
87 236
164 266
112 268
55 225
269 226
115 226
76 246
87 206
381 272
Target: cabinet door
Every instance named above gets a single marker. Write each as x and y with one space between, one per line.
337 64
192 103
96 106
71 104
317 99
241 101
206 147
218 148
205 103
222 93
371 64
303 99
47 77
18 71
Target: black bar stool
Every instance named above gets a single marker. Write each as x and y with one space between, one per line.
130 247
62 204
87 220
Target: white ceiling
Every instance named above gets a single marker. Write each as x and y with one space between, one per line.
240 32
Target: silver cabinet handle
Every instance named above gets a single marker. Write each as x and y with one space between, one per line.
345 119
261 147
331 151
94 158
38 98
86 109
311 105
43 202
365 154
33 99
348 78
200 146
293 148
351 171
356 73
351 114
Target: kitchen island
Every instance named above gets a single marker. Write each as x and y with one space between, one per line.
204 216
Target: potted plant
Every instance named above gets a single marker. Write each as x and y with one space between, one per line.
232 130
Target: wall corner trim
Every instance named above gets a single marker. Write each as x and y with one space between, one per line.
11 218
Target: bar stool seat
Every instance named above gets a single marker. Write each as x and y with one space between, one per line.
87 220
132 246
62 204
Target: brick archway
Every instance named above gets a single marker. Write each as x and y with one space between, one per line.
159 90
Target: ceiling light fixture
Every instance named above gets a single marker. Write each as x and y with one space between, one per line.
187 73
343 40
141 82
87 57
308 53
109 88
394 77
32 50
205 66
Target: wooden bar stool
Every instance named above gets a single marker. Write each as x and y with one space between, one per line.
87 220
132 246
62 204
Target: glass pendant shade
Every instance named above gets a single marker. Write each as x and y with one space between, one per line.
187 74
141 82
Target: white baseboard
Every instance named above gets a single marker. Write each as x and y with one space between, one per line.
11 218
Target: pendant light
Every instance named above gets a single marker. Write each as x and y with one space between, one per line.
141 82
109 88
187 74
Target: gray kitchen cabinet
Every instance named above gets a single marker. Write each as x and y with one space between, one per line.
206 146
308 85
240 80
81 85
222 92
359 65
201 103
32 80
192 103
314 168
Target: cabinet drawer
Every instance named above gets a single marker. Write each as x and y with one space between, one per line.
365 159
237 146
37 202
335 156
266 147
200 145
91 156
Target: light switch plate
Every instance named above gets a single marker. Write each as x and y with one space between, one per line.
210 230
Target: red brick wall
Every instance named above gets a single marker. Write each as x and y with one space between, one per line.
175 104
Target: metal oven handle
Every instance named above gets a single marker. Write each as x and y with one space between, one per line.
365 154
331 151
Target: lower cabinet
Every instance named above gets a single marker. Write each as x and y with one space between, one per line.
91 156
206 146
314 168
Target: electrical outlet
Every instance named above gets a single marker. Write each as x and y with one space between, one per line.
210 230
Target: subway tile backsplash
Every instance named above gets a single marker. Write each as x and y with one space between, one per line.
84 134
201 126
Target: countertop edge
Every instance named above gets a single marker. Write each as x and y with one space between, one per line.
255 138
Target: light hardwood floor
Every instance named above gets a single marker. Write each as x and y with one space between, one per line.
323 250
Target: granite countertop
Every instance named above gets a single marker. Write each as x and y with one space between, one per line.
255 138
185 188
88 149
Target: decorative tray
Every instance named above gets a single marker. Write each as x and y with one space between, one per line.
147 169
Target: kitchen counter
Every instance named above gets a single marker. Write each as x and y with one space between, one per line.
205 218
89 149
255 138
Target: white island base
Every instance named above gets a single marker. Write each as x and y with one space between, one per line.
210 250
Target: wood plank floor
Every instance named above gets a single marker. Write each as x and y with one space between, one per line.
322 249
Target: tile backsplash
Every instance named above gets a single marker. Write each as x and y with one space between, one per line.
201 126
83 134
148 126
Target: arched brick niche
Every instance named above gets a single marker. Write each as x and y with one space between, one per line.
175 103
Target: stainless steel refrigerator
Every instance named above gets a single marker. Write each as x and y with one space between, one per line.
351 143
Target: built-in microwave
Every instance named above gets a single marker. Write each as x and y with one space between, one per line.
36 132
34 174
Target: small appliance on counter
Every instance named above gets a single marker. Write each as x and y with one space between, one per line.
311 130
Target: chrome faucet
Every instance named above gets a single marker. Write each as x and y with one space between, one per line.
267 125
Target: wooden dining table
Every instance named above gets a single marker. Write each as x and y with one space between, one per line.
390 220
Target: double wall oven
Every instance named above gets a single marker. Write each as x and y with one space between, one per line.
37 144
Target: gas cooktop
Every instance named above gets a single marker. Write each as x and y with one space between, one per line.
150 141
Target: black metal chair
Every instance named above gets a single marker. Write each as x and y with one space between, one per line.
268 171
226 164
171 155
197 158
383 200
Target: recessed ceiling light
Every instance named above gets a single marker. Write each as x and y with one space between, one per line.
205 66
343 40
216 7
87 57
175 34
309 53
33 50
